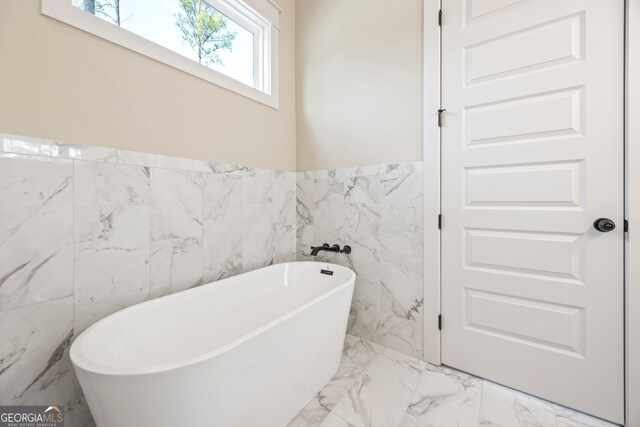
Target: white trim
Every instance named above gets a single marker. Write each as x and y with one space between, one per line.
265 8
276 5
431 154
245 17
632 262
64 11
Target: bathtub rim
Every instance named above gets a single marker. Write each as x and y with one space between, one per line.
79 361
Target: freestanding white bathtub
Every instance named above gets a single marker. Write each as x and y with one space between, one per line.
248 351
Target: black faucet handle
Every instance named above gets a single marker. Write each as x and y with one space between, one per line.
346 249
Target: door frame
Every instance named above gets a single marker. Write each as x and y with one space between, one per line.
432 181
632 212
431 155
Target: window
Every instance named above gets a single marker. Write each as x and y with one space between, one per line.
232 43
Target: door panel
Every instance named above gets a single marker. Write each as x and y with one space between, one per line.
541 46
553 327
480 8
532 154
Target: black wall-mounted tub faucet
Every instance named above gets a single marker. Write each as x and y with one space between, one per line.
335 248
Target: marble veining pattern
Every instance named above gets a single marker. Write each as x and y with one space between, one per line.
176 204
377 210
36 231
101 183
111 268
223 219
175 265
34 354
377 386
176 230
284 211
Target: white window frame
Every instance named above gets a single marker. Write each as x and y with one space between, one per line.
260 17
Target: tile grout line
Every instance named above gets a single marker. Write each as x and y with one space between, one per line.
75 398
148 297
205 180
481 400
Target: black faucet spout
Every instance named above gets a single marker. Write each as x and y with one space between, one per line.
315 250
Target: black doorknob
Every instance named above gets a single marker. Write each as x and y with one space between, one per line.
604 225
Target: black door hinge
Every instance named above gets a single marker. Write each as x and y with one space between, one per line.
439 222
439 322
440 111
626 225
440 17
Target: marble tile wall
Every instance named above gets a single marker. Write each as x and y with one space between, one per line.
378 211
86 231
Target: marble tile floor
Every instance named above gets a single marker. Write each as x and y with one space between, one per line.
376 386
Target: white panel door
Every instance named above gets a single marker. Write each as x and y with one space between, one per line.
532 154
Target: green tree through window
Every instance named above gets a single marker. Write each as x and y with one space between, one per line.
205 30
108 8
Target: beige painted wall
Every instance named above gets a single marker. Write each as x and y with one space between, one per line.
60 83
359 80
